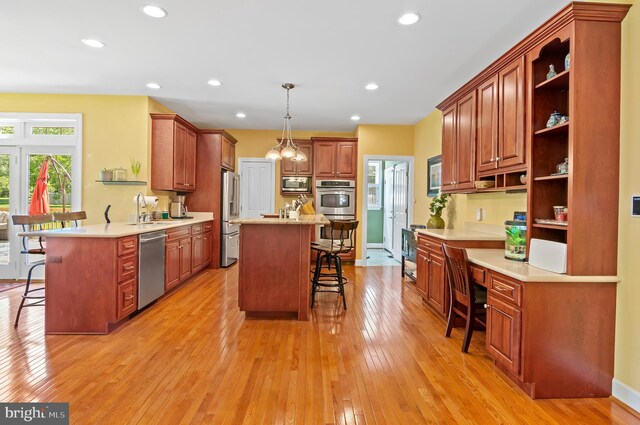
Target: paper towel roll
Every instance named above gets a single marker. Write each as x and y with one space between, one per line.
150 201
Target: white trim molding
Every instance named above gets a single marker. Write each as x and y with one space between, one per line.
375 245
626 394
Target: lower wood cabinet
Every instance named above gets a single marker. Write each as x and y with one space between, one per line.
206 249
504 327
187 251
172 265
436 283
185 258
127 298
422 271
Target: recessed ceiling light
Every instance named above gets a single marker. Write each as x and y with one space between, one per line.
241 115
371 86
409 18
154 85
93 43
153 11
214 83
355 117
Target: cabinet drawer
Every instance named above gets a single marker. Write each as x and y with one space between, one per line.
207 226
179 233
127 298
506 290
127 246
479 275
433 245
196 228
127 267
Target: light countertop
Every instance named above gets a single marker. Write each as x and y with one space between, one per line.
118 230
304 219
461 235
493 259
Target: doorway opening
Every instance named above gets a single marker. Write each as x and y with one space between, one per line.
387 208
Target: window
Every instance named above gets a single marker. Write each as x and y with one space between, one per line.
374 178
7 130
53 131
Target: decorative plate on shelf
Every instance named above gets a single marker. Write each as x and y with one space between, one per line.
555 222
484 184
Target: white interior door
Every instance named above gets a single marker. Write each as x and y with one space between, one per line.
387 231
257 187
400 207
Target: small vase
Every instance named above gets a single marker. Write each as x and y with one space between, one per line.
552 72
435 222
567 61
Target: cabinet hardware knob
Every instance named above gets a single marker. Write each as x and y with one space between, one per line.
502 288
498 158
486 306
129 245
130 297
492 159
129 268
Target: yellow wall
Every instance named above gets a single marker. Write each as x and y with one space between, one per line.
379 140
114 130
627 363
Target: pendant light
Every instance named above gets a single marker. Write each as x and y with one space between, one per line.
285 147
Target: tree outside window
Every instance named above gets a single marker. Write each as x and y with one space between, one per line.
374 179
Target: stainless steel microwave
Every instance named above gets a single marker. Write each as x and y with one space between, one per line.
296 184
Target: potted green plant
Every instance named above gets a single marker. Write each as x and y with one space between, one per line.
106 175
437 205
135 168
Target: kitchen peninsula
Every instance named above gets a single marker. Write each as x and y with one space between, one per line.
92 272
273 274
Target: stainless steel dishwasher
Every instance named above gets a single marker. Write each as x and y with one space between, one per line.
151 267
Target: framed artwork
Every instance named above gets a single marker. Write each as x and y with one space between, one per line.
434 175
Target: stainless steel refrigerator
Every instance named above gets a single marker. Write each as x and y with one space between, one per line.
229 246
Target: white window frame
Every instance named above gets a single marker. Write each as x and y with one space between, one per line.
377 185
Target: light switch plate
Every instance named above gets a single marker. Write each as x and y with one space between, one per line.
635 206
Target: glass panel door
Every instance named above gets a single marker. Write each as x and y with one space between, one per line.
9 245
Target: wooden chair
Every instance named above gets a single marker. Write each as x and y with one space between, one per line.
32 223
69 219
467 299
342 233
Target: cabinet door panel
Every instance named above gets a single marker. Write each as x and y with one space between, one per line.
466 142
190 161
346 160
305 168
422 268
448 148
324 159
179 157
435 283
487 126
503 333
127 298
206 249
172 265
185 258
287 167
196 253
511 113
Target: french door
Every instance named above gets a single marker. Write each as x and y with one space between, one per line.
9 188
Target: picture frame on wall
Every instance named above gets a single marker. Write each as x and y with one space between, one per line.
434 175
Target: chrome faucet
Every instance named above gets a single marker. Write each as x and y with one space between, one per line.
144 205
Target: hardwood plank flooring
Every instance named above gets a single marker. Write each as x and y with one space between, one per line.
193 358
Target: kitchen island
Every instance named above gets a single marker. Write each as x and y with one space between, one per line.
92 272
273 268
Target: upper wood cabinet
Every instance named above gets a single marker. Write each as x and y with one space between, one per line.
173 153
511 146
487 126
335 157
228 156
458 144
299 168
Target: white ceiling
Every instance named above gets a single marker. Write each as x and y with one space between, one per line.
330 49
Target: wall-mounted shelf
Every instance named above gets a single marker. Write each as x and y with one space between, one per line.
122 182
556 128
560 81
552 177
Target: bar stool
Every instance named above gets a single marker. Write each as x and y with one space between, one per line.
69 219
341 243
32 223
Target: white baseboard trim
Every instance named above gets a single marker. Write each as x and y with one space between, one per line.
359 263
626 394
375 245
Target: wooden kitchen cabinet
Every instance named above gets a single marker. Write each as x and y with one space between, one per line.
228 154
127 301
458 144
299 168
185 258
206 249
172 265
436 289
173 153
422 271
511 115
503 333
335 158
487 126
197 243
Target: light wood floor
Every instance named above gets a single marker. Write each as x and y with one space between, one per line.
194 359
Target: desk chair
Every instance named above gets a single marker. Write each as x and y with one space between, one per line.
27 224
467 299
327 253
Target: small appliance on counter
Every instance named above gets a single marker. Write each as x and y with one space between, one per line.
177 209
515 246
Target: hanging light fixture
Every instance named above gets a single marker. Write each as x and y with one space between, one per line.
285 147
